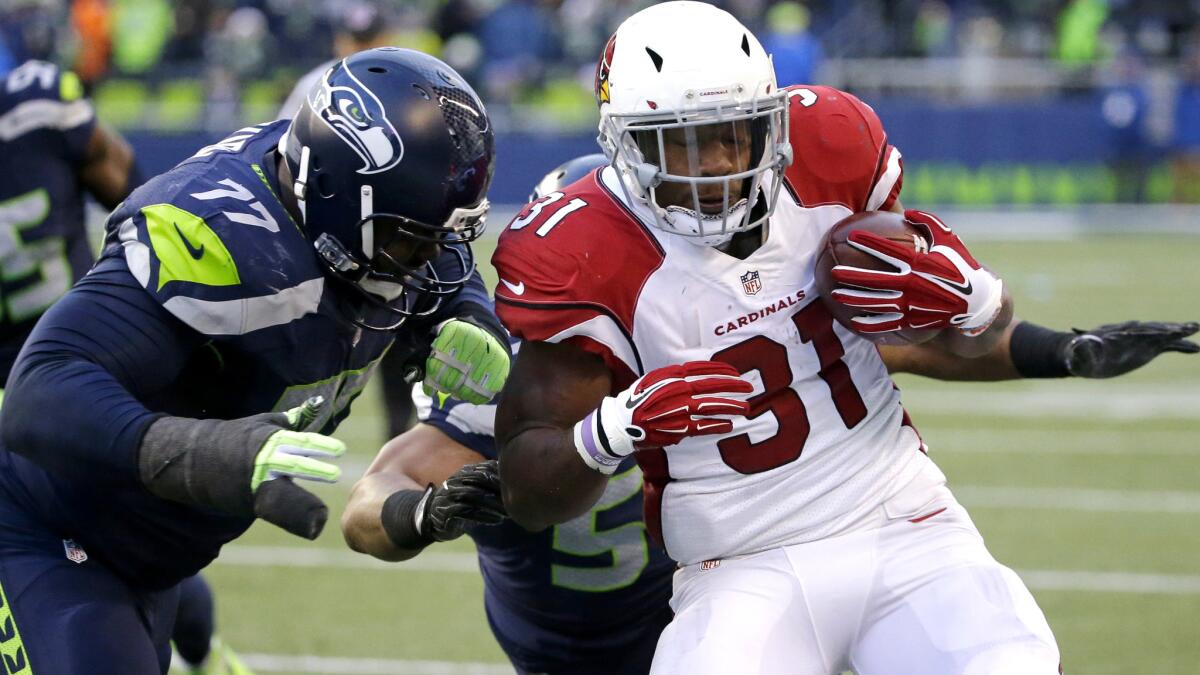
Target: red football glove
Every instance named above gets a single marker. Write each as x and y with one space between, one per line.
661 408
930 290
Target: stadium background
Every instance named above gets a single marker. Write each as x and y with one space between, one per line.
1062 136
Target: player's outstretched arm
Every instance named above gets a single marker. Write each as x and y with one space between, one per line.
422 487
1027 350
94 380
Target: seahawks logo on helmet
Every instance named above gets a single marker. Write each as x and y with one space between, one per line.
357 117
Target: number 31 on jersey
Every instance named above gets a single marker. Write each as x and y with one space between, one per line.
557 211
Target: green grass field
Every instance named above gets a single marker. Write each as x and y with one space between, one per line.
1090 490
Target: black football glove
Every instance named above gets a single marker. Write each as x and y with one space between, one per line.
1117 348
469 497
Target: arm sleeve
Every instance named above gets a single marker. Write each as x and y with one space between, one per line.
91 357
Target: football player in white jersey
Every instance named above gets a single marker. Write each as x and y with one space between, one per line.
668 311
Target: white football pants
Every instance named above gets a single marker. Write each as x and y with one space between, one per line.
915 592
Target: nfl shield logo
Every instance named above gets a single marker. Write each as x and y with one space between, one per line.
75 552
751 283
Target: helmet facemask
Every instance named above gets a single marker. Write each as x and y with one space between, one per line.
703 172
395 269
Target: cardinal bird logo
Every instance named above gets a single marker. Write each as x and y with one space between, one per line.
602 68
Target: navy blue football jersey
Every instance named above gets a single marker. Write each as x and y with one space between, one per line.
45 126
225 312
578 592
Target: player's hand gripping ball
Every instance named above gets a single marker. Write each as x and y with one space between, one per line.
903 279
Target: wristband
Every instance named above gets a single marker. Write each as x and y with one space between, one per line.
1039 352
592 444
400 516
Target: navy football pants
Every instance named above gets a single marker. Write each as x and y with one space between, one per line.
61 617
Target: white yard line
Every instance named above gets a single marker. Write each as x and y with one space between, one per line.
1111 582
347 665
299 556
1078 499
1054 580
1068 400
1135 444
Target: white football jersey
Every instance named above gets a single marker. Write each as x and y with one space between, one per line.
826 439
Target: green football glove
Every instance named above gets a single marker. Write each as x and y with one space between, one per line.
244 467
291 453
466 362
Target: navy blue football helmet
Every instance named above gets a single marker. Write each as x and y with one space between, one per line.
393 150
568 172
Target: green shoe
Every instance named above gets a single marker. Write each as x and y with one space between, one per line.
222 660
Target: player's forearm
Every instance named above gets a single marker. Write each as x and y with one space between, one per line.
939 364
973 347
543 480
362 521
109 173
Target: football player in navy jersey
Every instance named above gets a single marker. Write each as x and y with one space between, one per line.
591 595
53 150
241 303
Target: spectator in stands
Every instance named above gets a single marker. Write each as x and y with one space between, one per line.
91 21
140 31
519 38
361 26
797 53
1123 105
1079 28
1186 147
933 29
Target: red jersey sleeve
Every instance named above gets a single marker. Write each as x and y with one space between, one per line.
571 267
841 154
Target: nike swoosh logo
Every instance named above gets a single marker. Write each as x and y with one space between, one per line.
517 289
634 401
964 288
196 253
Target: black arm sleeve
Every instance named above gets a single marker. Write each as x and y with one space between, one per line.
72 402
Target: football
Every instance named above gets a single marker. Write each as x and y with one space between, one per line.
837 250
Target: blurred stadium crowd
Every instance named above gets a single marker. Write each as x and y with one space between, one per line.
214 65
